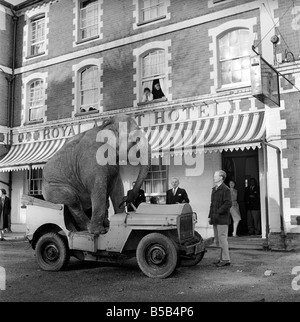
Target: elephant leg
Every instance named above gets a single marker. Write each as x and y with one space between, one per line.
62 194
117 195
99 222
79 215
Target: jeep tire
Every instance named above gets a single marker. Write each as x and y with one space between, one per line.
52 252
157 255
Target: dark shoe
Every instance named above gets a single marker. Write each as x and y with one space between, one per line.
2 239
223 263
217 262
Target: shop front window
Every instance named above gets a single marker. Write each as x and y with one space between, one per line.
156 183
35 178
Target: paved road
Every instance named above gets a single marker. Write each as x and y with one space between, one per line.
243 281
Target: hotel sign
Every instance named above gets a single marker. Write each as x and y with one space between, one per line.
264 82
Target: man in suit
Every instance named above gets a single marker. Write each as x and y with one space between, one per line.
5 207
139 199
176 194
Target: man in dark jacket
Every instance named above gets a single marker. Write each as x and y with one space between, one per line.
219 216
5 207
176 194
139 199
252 203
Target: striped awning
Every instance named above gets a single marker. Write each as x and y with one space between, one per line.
34 155
230 132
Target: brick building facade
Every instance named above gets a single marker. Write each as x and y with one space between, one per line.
68 65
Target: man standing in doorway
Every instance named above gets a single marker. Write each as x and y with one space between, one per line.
5 208
176 194
252 202
219 216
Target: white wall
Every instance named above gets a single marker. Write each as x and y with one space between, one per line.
18 214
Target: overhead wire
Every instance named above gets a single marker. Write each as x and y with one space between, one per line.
274 26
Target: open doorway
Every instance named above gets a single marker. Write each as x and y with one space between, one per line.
240 166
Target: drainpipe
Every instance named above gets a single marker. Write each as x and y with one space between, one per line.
280 186
266 246
11 88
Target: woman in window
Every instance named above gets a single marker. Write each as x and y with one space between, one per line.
157 91
148 96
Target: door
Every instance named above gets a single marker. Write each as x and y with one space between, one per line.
240 166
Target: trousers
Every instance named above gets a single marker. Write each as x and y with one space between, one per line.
253 221
221 235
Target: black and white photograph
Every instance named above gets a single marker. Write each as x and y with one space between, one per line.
150 154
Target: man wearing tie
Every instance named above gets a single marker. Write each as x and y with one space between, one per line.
176 194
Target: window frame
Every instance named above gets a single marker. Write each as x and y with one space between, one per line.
30 16
77 69
163 169
42 100
214 33
35 19
80 38
219 62
35 176
160 76
138 53
80 90
138 16
161 5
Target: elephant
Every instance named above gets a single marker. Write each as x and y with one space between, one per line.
85 172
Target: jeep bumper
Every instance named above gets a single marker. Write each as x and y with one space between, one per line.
197 247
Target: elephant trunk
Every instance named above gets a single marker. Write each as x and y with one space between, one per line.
144 169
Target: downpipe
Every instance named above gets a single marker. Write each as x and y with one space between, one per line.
280 186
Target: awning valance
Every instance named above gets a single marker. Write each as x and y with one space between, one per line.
230 132
34 154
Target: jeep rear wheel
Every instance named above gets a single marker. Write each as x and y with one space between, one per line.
157 255
52 252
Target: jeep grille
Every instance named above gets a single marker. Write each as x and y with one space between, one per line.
185 227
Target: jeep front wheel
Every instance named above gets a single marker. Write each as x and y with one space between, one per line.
157 255
52 252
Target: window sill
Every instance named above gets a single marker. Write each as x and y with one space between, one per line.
34 122
139 24
158 100
82 41
87 113
233 87
37 55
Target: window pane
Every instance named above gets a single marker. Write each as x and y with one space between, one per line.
89 19
89 88
36 100
151 9
156 181
37 36
35 182
234 56
153 63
